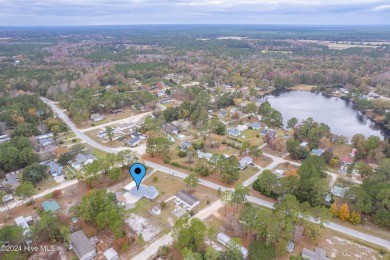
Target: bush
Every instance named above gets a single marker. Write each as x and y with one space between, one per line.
163 250
155 179
74 140
181 154
163 205
198 146
167 159
56 194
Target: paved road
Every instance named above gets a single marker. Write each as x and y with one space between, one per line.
350 232
276 160
130 119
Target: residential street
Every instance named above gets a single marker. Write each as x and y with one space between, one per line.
166 239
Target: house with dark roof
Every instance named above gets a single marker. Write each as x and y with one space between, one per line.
185 145
185 200
255 125
134 142
318 254
83 159
171 129
81 245
233 132
55 168
317 152
245 161
45 141
149 192
268 131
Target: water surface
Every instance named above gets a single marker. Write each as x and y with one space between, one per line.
340 115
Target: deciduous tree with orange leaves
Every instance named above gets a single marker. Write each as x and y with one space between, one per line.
344 212
354 218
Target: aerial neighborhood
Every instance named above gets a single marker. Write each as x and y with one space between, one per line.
235 166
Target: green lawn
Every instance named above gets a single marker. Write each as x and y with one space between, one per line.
247 173
251 135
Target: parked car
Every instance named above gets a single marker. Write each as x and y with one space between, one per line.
8 197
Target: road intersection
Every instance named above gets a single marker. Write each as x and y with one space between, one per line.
167 239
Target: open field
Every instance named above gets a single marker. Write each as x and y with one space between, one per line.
345 45
303 87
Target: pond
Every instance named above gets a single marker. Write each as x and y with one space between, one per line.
340 115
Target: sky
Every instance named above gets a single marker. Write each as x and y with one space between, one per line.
128 12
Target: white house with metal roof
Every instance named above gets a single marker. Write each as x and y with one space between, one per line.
186 200
245 161
81 245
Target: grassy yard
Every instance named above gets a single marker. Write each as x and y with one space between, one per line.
247 173
47 184
303 87
252 136
114 144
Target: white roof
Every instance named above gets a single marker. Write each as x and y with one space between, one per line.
130 198
223 237
110 253
129 186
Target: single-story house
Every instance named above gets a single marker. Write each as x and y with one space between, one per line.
83 159
304 144
161 93
171 129
328 198
48 135
241 128
165 101
156 211
339 191
4 138
345 160
318 254
317 152
255 125
126 200
55 168
102 134
134 142
125 126
22 223
183 198
111 254
268 131
290 247
224 240
201 154
245 161
353 152
233 132
185 145
279 172
45 141
96 117
139 135
81 245
50 205
185 124
116 111
222 113
149 192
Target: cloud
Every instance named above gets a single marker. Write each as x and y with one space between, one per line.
162 11
381 8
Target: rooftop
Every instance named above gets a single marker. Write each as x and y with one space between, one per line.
50 205
186 197
81 244
149 192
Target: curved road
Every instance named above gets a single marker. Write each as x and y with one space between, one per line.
167 239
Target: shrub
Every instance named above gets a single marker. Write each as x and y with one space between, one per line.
163 205
167 159
155 179
56 194
181 154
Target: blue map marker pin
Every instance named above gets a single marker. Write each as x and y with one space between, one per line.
137 171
